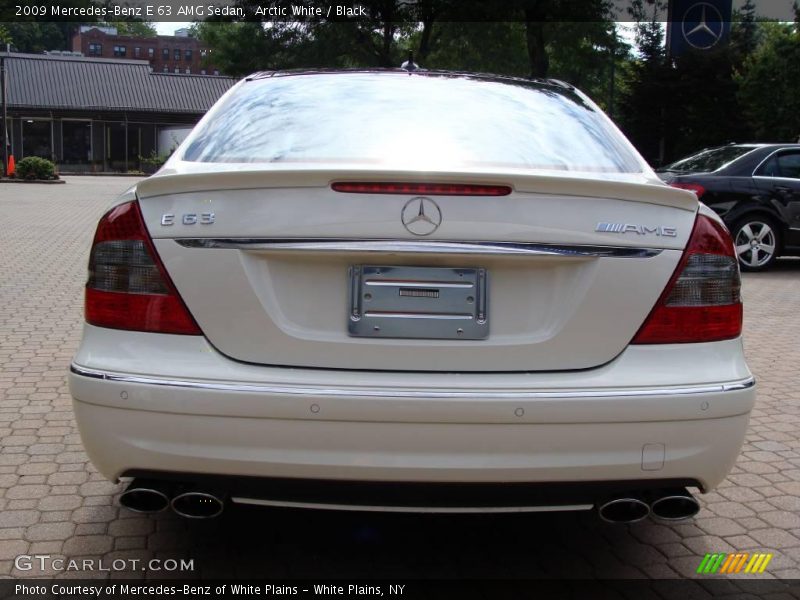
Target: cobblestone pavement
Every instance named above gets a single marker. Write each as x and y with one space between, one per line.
54 502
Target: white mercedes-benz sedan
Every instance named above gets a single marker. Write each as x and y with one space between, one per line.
414 291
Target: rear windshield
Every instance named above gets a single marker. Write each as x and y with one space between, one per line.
708 160
404 121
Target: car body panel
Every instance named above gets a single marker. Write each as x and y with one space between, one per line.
737 191
277 422
264 307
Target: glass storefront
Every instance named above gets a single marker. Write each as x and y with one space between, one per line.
37 138
76 143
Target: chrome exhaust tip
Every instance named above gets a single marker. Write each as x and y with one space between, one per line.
674 505
623 510
198 505
144 496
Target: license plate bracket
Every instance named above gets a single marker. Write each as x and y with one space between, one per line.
436 303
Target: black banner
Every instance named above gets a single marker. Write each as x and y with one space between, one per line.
129 589
342 10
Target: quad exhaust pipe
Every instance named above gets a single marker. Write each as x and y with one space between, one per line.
664 505
146 496
626 509
674 505
199 504
150 497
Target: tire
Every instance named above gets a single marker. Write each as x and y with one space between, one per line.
757 241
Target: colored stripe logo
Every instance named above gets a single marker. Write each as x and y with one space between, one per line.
741 562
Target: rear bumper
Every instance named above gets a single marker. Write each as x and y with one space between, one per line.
406 427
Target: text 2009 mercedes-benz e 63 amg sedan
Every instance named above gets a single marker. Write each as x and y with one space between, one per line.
417 291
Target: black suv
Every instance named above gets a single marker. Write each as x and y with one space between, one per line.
755 188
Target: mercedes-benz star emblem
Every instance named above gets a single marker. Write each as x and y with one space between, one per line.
421 216
702 26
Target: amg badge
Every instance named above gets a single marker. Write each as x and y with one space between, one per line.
640 229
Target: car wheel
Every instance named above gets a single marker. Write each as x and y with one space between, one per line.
757 241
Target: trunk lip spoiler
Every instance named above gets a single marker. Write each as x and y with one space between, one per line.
283 245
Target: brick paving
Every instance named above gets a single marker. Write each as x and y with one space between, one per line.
52 501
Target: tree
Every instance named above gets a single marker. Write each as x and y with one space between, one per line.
769 86
589 55
708 111
38 36
744 33
645 103
483 47
544 19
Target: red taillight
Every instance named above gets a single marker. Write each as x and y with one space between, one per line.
701 303
698 189
427 189
128 287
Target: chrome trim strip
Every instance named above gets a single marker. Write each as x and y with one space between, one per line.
408 393
417 247
413 509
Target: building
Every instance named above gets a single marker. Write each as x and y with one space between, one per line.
178 53
99 115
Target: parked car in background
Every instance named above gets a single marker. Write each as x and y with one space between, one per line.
421 291
755 188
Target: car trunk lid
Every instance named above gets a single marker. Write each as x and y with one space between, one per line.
571 266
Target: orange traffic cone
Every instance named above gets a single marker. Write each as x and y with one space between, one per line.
11 166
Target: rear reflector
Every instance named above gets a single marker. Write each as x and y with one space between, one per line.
701 303
428 189
698 189
128 287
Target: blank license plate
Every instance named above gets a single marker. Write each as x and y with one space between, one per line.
436 303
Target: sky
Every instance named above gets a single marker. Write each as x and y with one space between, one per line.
169 27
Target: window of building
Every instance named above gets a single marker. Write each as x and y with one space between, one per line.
188 54
137 51
76 145
177 54
151 52
165 69
95 49
203 53
165 53
216 72
37 138
120 50
188 71
202 71
177 69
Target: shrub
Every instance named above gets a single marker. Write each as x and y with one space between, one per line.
33 167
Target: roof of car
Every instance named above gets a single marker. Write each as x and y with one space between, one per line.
421 72
764 145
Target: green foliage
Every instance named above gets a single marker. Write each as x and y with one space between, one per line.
671 108
490 47
647 83
769 86
33 167
155 160
745 32
38 36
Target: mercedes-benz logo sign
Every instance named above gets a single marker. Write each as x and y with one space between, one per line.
702 26
421 216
